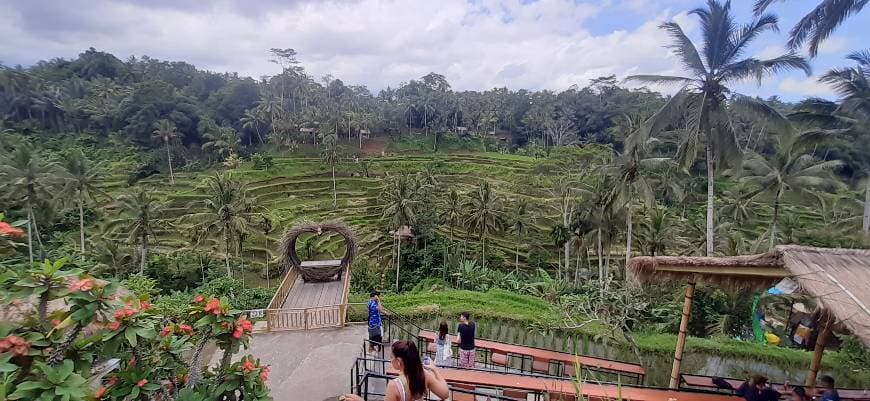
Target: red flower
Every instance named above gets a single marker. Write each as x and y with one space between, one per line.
199 299
185 328
130 312
83 285
114 326
112 381
248 366
142 382
238 332
214 307
6 230
264 374
119 314
100 392
166 331
245 324
145 305
18 346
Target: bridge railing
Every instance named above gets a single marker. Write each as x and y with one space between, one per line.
283 290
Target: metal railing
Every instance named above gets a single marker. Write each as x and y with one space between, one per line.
371 384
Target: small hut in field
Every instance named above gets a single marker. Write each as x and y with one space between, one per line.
838 279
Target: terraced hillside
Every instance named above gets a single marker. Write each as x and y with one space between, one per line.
299 188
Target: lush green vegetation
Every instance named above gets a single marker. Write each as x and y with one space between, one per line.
524 204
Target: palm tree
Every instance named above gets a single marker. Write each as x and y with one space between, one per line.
25 174
522 218
819 23
252 119
451 211
143 213
228 214
789 168
701 101
484 215
657 231
631 174
81 181
224 141
329 156
165 131
853 113
401 197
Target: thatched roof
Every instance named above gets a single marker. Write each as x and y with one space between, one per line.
839 279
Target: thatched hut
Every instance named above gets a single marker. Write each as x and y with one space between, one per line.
838 279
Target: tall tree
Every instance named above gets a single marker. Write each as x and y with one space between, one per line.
853 113
253 118
223 140
229 214
521 220
329 156
701 102
166 132
818 25
484 215
82 177
791 168
401 198
142 216
31 179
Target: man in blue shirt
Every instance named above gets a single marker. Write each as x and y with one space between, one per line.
376 331
829 393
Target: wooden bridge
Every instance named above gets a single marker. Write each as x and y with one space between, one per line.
298 305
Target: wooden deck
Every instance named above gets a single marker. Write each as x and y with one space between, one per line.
298 305
308 295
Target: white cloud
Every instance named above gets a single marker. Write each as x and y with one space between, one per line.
477 45
805 87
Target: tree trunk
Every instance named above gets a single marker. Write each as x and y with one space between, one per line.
600 263
567 249
517 259
398 261
195 366
483 251
628 225
776 201
257 130
143 254
36 233
710 198
29 233
334 195
866 225
227 252
58 354
82 224
169 159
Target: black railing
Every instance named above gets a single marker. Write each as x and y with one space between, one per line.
372 385
398 327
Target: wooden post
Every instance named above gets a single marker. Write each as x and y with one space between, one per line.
681 339
816 364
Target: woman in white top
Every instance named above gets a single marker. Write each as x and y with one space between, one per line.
415 380
443 346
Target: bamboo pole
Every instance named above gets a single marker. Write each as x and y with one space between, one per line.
819 350
681 339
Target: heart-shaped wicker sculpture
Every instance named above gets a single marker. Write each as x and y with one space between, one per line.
318 273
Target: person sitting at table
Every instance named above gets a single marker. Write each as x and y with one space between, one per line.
757 389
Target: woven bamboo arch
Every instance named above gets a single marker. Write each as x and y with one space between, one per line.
287 247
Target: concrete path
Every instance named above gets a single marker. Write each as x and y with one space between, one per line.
309 365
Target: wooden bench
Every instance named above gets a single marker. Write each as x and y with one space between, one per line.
548 356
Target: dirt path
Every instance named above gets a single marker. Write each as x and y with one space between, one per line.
376 145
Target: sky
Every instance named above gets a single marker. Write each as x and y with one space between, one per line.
476 44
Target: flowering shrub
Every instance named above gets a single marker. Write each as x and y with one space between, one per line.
50 356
